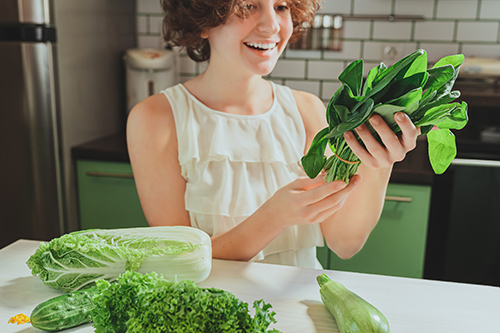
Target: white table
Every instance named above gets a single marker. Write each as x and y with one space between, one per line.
410 305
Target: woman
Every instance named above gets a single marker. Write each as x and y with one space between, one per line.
221 152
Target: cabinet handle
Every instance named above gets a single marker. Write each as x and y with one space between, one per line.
398 199
110 175
476 163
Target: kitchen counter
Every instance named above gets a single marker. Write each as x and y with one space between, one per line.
414 169
410 305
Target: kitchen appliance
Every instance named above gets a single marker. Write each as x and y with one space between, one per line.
148 71
480 67
464 222
61 85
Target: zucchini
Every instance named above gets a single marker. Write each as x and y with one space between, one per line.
351 312
64 311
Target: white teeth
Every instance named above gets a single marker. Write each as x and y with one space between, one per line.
262 46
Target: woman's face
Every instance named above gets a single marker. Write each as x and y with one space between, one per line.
254 43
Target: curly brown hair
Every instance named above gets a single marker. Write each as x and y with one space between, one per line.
185 20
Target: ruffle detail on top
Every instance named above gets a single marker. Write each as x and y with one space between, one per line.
233 164
214 135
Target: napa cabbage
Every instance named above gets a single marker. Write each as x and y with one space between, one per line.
76 260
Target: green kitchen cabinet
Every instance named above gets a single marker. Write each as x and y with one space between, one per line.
107 195
396 245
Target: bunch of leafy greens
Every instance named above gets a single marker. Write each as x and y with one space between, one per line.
76 260
137 303
425 95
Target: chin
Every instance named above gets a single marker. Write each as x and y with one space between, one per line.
265 70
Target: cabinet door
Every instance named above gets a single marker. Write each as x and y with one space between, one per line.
107 196
396 245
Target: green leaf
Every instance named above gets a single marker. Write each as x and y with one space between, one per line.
419 65
446 116
445 90
410 100
438 76
387 111
361 114
372 74
402 87
455 60
442 149
400 69
331 116
427 96
315 159
426 129
352 76
340 105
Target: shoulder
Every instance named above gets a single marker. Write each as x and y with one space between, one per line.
313 113
153 112
151 124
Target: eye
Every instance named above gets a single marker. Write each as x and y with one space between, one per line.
283 7
248 6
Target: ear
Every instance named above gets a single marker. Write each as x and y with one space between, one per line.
204 34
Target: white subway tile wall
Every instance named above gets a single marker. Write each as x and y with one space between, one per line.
372 7
490 9
336 6
436 51
420 7
434 30
457 9
386 30
322 70
471 27
360 30
477 31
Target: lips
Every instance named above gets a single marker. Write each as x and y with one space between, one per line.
262 46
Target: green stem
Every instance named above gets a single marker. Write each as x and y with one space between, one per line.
323 279
344 164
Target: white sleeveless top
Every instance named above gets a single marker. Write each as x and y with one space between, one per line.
234 163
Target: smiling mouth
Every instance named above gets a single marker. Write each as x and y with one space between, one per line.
261 46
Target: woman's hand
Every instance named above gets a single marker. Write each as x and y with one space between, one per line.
395 146
307 201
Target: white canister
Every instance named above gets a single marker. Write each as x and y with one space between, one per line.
148 71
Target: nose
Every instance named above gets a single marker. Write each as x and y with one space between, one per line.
269 22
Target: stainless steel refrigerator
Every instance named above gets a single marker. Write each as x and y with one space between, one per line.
61 84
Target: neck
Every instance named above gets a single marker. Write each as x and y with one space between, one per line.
232 92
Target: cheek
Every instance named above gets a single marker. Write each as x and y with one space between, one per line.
287 29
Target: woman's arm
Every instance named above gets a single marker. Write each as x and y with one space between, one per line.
348 228
152 147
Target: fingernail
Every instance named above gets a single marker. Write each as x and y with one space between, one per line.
355 180
348 135
361 128
339 184
400 116
375 120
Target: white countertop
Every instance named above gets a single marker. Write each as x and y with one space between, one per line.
410 305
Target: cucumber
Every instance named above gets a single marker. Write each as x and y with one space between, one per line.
64 311
352 313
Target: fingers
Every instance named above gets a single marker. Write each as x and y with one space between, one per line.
305 183
320 210
312 191
321 192
392 150
409 132
394 147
